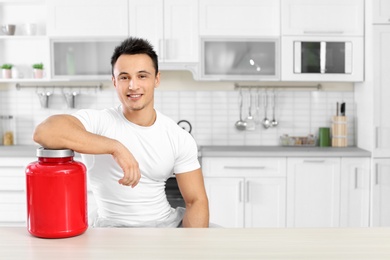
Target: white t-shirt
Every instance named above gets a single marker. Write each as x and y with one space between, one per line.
161 150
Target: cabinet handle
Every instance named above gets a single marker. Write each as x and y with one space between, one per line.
161 48
240 191
376 175
323 32
244 167
313 161
247 192
356 178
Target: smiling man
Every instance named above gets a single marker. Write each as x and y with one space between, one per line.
132 149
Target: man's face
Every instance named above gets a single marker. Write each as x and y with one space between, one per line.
135 79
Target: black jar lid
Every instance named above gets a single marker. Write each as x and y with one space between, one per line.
54 153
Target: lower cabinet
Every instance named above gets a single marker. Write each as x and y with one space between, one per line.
13 208
313 192
246 192
328 192
380 193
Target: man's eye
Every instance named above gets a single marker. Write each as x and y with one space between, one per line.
142 76
123 78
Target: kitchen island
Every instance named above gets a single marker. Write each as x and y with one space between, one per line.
218 243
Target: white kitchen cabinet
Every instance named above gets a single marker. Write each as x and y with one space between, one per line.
13 208
381 13
24 48
87 18
322 17
170 25
381 91
313 192
239 18
246 192
380 193
355 192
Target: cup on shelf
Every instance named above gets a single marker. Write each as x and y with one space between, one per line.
8 29
30 28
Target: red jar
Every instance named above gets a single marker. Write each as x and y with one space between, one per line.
56 195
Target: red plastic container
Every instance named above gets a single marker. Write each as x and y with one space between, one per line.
56 195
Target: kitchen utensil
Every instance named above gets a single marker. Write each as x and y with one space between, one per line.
324 136
266 121
250 122
56 195
274 123
241 124
342 109
70 98
186 125
8 29
44 98
257 114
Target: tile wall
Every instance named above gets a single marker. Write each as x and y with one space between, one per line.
212 113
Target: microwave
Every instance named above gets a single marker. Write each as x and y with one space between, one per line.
243 59
322 58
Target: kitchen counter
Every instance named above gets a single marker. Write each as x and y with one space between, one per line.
281 151
219 243
230 151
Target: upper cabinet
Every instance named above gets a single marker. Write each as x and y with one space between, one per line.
381 12
323 17
170 25
87 18
239 18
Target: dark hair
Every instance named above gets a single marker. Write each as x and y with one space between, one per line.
134 45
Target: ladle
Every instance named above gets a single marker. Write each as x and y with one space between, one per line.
266 121
250 122
240 124
274 123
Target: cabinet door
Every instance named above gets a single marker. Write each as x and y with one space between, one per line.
355 192
381 90
146 21
323 17
313 192
226 202
380 179
87 18
181 31
239 18
265 202
381 12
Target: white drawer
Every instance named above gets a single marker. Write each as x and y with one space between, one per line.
244 167
12 178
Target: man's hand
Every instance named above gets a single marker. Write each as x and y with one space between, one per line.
129 165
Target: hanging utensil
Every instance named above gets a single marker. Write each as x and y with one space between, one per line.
240 124
266 121
44 98
70 98
257 115
274 123
250 122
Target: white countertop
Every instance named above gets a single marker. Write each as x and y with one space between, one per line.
219 243
230 151
282 151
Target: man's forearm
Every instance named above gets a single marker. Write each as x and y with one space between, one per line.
65 131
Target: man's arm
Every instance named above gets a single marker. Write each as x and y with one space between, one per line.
66 131
191 186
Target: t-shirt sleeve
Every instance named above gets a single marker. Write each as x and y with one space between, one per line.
187 159
91 119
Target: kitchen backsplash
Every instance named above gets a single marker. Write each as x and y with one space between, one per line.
212 114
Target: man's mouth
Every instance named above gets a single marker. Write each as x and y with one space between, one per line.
134 95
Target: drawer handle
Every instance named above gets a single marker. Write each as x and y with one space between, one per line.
313 161
244 167
323 32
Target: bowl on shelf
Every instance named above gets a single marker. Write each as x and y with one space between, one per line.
8 29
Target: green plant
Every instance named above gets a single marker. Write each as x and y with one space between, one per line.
38 66
6 66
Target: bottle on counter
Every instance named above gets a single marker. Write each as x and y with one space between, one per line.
7 130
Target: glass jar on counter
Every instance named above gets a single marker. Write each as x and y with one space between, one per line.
7 129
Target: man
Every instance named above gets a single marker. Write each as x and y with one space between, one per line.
132 149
